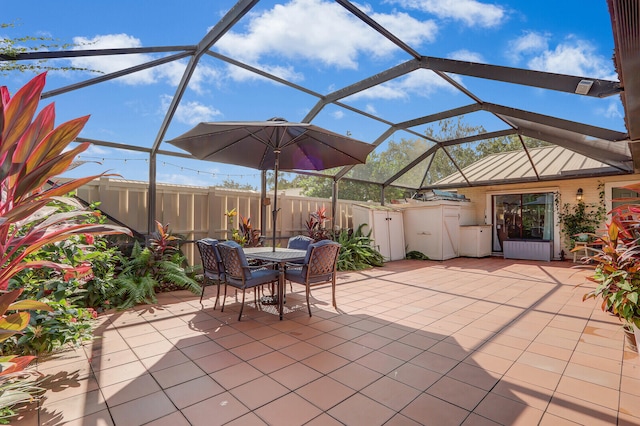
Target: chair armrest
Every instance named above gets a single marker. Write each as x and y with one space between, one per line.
293 266
270 265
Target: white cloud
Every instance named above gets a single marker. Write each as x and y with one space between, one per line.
529 43
338 115
170 73
112 63
613 110
192 179
284 72
330 35
471 12
371 109
190 113
420 82
573 57
95 150
405 27
467 55
204 74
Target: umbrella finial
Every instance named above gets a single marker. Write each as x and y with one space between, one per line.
277 119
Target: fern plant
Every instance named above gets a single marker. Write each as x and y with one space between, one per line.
144 273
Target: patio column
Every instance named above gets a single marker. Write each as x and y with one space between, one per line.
263 199
334 202
151 208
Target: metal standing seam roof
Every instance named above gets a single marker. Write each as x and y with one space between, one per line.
553 162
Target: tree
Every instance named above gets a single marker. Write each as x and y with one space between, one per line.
380 167
285 181
463 155
508 143
231 184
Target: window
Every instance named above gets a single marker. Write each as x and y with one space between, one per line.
621 196
523 217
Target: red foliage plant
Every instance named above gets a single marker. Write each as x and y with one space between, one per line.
32 152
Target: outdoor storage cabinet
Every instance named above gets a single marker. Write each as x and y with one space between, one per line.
475 241
387 228
433 227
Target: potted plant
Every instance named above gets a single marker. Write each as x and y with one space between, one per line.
617 266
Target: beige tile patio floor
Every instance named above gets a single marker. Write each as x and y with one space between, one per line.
461 342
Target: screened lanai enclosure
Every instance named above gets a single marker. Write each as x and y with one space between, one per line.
441 121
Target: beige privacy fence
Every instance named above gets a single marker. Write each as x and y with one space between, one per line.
196 212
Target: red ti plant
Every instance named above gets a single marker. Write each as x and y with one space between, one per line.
163 243
315 225
250 236
617 271
32 152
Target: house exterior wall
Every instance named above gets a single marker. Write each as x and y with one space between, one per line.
481 197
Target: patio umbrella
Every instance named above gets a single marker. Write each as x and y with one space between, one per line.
275 144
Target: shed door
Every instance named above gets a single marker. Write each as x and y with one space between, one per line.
451 232
381 233
396 236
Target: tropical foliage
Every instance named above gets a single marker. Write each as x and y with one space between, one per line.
33 152
617 271
16 385
244 235
151 269
64 325
315 225
580 218
357 251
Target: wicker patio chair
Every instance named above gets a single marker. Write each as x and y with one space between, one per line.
319 267
240 275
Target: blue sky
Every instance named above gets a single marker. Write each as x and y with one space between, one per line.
316 44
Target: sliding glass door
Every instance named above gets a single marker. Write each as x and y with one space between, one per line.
522 217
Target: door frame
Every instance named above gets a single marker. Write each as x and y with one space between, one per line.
488 212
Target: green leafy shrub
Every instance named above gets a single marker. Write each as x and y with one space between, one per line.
357 251
64 326
153 269
16 389
17 385
414 254
90 282
580 218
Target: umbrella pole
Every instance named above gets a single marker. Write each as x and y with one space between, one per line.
275 198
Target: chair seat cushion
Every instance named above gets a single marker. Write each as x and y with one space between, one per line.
259 277
297 275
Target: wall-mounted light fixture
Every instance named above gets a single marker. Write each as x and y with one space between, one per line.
584 86
579 194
